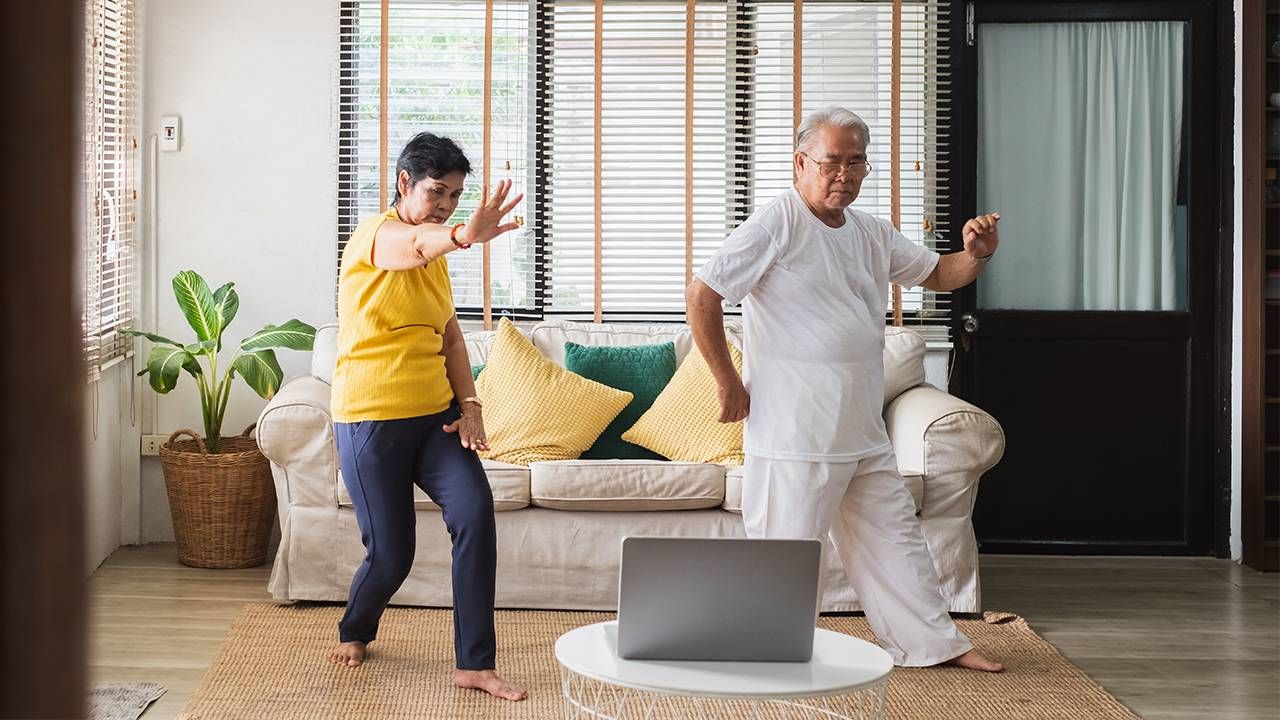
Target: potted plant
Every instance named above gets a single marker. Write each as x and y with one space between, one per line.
220 491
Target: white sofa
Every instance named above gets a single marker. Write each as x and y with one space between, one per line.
560 525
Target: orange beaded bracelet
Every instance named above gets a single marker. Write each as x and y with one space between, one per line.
453 236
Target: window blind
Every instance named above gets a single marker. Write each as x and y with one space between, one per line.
436 82
695 129
110 174
846 60
645 229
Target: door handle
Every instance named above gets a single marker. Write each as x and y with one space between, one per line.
968 328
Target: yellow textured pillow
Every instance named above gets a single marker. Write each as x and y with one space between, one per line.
681 424
536 410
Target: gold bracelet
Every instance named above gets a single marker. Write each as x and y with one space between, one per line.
474 400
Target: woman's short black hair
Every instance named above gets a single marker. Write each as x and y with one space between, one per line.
429 155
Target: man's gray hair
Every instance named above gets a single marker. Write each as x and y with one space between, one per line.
833 116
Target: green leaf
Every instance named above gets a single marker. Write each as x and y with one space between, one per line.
294 335
197 304
164 364
195 349
157 339
261 370
225 302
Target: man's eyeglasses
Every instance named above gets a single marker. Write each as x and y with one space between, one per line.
832 170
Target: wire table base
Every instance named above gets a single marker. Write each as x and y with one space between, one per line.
586 698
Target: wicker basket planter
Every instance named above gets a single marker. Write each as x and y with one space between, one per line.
223 504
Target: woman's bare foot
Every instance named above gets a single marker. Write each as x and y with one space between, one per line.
350 654
488 681
972 660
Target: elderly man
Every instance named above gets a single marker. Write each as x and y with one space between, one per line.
813 277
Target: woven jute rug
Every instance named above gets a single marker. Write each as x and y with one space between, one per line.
272 665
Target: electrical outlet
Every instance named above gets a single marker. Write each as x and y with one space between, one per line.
151 444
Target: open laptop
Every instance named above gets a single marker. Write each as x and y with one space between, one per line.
718 599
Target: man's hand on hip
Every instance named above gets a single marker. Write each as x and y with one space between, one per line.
735 402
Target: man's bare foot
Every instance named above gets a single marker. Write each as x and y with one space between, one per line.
972 660
350 654
488 681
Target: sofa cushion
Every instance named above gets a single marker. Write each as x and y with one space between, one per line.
903 362
625 485
509 483
683 423
478 344
550 336
733 490
536 410
642 370
324 353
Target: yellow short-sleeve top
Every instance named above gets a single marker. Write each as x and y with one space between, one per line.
390 335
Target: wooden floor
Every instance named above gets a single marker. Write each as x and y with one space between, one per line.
1172 638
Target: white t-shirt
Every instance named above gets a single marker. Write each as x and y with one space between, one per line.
813 300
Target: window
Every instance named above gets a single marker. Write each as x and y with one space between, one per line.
436 65
643 154
110 195
679 165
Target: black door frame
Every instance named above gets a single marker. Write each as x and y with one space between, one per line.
1211 318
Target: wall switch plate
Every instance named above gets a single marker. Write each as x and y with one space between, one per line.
170 133
151 444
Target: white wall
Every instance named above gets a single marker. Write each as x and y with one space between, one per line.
111 464
250 197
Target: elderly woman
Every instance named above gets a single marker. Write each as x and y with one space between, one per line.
404 404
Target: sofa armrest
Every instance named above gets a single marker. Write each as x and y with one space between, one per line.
924 420
295 432
950 443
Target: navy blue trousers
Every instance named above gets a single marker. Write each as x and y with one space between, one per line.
381 461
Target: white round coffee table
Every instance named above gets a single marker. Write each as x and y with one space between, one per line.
845 679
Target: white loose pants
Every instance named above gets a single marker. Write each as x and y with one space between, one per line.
869 513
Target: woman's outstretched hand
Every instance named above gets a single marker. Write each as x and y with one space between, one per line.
470 429
486 222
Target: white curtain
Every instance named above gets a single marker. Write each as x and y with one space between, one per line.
1078 145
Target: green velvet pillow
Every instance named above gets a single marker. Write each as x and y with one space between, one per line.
475 371
642 370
